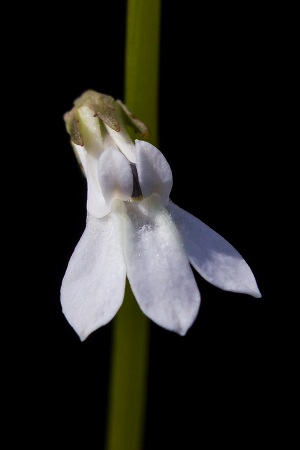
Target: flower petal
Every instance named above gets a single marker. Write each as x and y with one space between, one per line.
212 256
92 289
80 153
96 205
115 176
158 268
121 138
88 156
155 175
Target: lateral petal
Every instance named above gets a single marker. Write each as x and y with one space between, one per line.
216 260
93 287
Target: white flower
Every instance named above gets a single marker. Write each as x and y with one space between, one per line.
133 229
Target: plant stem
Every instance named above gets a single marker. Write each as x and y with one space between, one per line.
142 62
130 347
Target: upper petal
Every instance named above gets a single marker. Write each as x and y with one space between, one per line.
115 176
88 157
212 256
122 139
92 289
155 175
96 205
158 268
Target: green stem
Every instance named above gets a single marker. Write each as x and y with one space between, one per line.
128 377
130 347
142 62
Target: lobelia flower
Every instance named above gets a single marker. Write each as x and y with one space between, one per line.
133 229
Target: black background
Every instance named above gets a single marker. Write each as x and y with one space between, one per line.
220 385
